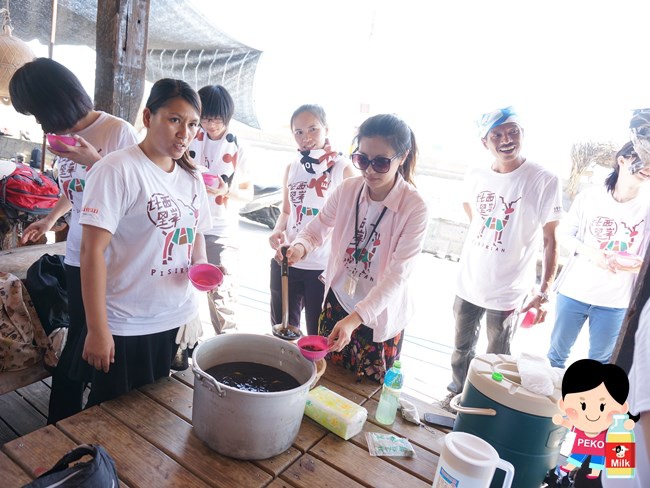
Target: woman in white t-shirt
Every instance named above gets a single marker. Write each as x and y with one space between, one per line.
315 173
378 224
54 95
144 213
637 339
597 282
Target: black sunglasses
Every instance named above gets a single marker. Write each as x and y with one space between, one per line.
380 164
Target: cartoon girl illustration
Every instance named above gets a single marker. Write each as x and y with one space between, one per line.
592 393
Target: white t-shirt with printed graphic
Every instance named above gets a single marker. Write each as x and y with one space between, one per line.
497 264
358 261
154 217
223 157
307 194
599 221
106 134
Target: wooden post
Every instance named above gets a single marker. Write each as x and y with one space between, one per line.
122 29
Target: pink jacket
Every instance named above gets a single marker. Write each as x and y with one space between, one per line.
388 307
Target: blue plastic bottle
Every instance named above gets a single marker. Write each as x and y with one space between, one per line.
389 400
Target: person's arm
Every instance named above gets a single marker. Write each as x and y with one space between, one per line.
277 237
99 348
549 268
218 189
243 193
241 189
468 210
644 423
199 255
84 154
36 229
342 332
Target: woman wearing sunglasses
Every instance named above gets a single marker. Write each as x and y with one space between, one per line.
308 180
378 223
605 231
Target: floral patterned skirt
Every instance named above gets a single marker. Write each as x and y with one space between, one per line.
361 355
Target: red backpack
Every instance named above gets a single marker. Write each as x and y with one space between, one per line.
27 190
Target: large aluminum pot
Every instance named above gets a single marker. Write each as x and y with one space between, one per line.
243 424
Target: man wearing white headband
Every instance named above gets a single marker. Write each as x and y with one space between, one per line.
510 204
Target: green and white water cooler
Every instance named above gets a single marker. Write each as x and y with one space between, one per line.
516 422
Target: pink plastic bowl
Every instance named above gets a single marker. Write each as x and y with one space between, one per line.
205 277
625 258
53 140
209 179
313 347
528 319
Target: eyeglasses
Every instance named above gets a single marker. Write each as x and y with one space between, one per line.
212 121
380 164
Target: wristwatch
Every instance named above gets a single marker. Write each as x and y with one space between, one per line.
544 296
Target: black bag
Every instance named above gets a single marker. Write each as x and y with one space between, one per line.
46 284
100 472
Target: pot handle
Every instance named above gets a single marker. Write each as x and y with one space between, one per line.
207 380
455 404
321 366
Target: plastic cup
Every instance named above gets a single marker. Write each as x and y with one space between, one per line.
209 179
313 347
627 259
53 141
529 318
205 277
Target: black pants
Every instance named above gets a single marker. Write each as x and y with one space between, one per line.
306 291
72 373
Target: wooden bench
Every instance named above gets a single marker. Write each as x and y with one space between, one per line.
17 261
12 380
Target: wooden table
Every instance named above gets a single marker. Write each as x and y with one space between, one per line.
148 432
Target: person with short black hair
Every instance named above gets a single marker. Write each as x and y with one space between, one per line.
511 205
54 95
217 149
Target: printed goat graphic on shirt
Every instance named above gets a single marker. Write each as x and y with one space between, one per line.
165 214
610 236
495 218
72 187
